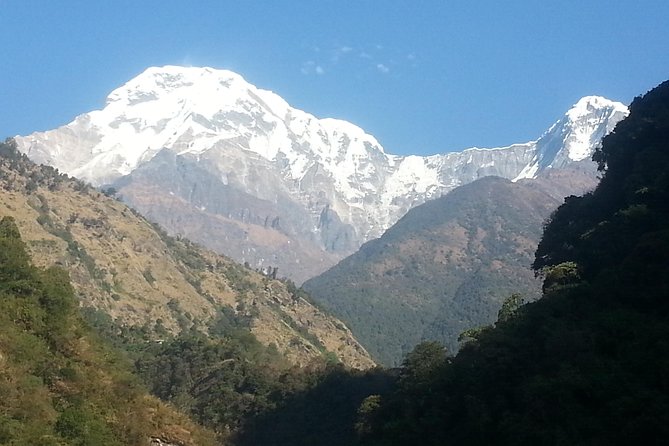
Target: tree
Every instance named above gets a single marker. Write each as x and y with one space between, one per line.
421 365
15 270
510 307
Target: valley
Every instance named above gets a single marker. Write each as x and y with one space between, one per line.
216 160
512 297
289 223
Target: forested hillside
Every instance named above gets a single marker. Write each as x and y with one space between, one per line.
217 340
130 270
60 385
586 364
444 268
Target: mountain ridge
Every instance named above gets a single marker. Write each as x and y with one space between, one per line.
125 266
331 185
443 268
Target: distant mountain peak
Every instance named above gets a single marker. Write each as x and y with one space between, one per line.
587 122
574 137
588 105
251 141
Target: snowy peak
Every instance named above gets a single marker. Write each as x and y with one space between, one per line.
576 135
587 122
326 180
192 110
218 105
196 84
589 105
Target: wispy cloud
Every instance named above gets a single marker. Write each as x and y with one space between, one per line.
339 52
373 58
311 67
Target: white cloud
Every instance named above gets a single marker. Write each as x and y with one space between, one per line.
364 58
307 67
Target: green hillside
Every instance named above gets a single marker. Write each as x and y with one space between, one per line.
125 267
59 385
444 268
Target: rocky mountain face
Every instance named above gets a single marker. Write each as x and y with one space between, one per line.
130 269
448 264
212 157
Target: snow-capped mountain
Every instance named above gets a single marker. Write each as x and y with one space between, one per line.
187 145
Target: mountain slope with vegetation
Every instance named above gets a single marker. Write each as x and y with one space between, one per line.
59 384
125 267
446 266
587 363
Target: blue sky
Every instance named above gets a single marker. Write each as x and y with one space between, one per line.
421 76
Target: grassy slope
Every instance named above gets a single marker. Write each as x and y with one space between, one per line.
59 385
131 270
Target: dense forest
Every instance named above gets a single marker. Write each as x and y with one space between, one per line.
229 382
586 364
